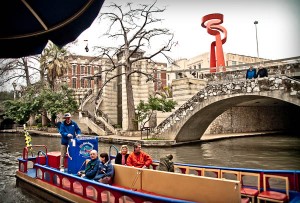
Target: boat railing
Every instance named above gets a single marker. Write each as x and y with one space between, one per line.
27 162
98 192
293 175
93 190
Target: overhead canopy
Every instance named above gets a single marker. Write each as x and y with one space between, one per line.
27 25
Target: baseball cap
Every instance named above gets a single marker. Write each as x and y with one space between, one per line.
67 115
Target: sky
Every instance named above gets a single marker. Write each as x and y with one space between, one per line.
278 27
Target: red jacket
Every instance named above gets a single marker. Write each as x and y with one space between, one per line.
139 160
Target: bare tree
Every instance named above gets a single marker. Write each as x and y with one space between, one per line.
20 69
136 28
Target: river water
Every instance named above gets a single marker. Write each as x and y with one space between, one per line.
261 152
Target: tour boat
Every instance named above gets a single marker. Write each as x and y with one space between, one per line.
40 175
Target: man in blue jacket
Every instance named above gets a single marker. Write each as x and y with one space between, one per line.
251 73
68 130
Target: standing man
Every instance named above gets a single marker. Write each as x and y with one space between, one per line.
262 72
138 158
251 73
68 130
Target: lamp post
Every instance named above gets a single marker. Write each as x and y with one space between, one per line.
14 86
255 23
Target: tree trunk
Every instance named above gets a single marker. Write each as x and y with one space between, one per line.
130 105
42 76
32 120
44 118
26 69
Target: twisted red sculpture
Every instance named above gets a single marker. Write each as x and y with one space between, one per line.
212 24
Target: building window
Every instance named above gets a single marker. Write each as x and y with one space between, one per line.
199 66
74 67
89 84
233 62
82 82
89 70
74 83
82 69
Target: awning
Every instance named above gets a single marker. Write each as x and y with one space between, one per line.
27 25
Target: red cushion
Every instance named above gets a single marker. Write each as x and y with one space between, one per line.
249 191
273 195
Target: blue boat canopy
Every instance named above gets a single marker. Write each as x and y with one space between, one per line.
27 25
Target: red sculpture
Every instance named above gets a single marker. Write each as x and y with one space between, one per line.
212 24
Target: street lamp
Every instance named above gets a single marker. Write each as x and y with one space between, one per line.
14 86
255 23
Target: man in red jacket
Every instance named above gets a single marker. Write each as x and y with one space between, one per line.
138 158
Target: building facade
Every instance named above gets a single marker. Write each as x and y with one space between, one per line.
88 74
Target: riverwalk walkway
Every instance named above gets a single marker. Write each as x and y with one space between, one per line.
117 139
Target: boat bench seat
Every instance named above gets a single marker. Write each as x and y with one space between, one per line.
273 195
249 191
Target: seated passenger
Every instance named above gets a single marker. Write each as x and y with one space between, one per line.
138 158
166 163
91 167
105 170
122 156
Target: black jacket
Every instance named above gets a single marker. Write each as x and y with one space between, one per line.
118 159
262 72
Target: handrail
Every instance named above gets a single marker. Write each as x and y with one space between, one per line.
84 99
26 149
38 157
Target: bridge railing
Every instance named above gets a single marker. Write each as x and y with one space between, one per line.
288 66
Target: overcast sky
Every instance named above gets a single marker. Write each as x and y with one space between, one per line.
278 26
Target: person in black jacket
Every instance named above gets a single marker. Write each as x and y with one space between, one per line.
262 72
121 157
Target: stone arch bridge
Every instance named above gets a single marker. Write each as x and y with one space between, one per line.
264 96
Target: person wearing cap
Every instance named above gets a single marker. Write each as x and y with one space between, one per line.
139 158
166 163
68 130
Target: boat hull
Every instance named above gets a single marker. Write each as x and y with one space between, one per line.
46 191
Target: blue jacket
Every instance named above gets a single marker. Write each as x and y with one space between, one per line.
104 170
251 74
66 129
91 168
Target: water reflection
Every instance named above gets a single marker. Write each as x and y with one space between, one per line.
267 152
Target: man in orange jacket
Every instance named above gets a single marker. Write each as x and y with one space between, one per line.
138 158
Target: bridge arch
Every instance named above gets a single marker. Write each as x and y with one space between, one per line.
192 127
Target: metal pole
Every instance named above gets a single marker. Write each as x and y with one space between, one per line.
15 93
255 23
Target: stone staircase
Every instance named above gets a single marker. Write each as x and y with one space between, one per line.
95 123
83 127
